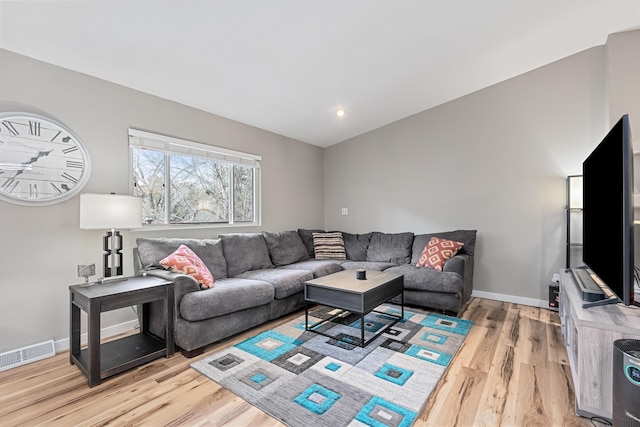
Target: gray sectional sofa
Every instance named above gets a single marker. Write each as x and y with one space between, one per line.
260 276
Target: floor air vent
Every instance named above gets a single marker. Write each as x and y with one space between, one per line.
24 355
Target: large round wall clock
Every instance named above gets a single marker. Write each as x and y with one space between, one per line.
42 162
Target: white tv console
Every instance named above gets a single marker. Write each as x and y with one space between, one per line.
589 335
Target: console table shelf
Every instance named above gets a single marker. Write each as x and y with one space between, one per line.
125 353
589 335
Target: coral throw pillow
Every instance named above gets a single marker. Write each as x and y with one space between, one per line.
185 261
437 252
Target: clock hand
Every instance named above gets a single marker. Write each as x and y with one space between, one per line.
37 156
27 164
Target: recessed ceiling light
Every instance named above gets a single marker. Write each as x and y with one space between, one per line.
340 112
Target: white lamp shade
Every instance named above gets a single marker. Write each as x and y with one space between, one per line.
110 211
575 191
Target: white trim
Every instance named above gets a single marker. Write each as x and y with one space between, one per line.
187 226
511 298
154 141
109 331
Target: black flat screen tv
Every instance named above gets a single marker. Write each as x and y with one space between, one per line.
608 216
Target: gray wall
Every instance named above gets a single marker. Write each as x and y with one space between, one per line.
495 160
41 246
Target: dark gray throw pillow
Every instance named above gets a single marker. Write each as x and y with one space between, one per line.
395 248
245 252
285 247
152 250
307 239
356 245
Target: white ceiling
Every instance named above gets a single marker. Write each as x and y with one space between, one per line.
288 65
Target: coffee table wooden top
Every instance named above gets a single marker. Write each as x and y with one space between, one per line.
346 281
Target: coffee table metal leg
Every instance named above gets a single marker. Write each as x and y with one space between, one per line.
306 316
362 330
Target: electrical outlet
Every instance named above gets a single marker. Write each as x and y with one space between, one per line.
556 278
345 211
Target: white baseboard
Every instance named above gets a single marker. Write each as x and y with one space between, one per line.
511 298
109 331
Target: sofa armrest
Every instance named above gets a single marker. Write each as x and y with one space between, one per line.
182 283
463 265
455 264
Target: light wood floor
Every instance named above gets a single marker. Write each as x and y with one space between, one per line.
511 370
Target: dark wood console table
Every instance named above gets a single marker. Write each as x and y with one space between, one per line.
99 361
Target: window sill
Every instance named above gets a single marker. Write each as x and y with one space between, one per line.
160 227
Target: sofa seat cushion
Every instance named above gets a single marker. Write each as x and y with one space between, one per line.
285 247
367 265
152 250
245 252
427 279
228 296
286 282
318 267
394 248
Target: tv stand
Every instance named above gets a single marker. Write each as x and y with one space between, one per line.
589 336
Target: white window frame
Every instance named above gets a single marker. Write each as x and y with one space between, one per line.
171 145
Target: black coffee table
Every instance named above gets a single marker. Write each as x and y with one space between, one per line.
343 291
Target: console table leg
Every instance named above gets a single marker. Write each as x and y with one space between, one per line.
74 333
94 344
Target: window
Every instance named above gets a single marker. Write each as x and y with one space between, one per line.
184 182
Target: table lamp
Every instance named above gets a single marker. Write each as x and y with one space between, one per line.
110 212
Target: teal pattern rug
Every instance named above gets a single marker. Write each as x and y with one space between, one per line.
305 379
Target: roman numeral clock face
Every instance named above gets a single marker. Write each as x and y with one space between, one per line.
41 161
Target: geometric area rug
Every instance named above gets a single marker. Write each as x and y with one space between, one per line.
305 379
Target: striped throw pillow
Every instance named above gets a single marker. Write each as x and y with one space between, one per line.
329 246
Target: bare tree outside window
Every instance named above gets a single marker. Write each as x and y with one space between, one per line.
243 184
198 189
149 182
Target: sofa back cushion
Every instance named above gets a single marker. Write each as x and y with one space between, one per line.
356 245
394 247
244 252
468 237
151 250
307 239
285 247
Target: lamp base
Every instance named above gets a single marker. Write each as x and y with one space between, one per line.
106 280
112 257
